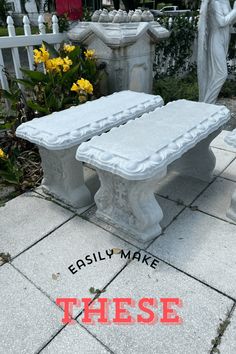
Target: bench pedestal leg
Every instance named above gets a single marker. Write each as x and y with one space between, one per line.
129 205
199 162
63 177
231 213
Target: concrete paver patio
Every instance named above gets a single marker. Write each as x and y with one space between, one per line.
197 263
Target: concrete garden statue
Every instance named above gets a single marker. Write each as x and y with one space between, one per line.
216 17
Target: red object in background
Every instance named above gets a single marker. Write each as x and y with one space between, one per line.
73 8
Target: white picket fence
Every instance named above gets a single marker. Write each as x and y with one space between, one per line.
28 41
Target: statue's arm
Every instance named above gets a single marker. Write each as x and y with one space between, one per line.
223 20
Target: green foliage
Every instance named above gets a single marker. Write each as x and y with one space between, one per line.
229 89
172 88
174 77
3 11
173 54
61 79
50 90
87 14
232 48
63 23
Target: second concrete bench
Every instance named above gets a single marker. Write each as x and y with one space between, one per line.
132 159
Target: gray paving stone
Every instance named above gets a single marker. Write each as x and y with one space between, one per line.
46 264
223 159
26 219
216 198
202 246
230 172
170 210
219 143
27 317
180 188
228 341
74 339
201 311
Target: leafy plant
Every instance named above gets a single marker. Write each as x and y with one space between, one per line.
172 55
172 88
69 78
8 169
3 11
63 23
62 78
228 89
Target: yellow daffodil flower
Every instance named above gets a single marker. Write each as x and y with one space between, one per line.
3 155
58 64
89 54
85 85
68 48
67 61
74 87
82 86
66 68
41 55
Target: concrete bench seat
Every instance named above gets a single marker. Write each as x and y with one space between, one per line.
59 134
132 159
231 213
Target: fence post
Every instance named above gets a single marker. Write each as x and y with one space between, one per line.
27 32
55 27
41 25
3 79
15 51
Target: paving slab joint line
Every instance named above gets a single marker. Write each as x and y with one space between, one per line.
84 217
170 199
42 238
43 346
164 228
227 178
95 337
75 317
86 211
105 287
215 147
193 277
53 200
210 183
222 327
103 228
227 166
36 286
216 217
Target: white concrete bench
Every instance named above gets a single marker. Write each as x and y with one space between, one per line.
231 213
131 159
59 134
